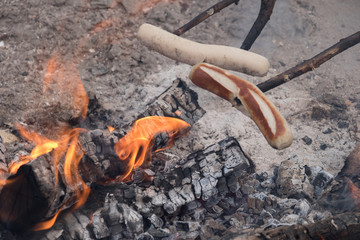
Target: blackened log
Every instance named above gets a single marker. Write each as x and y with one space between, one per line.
339 227
177 101
203 179
31 196
206 182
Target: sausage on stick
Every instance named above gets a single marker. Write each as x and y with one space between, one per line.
232 88
190 52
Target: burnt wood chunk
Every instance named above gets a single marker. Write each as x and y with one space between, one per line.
342 226
177 101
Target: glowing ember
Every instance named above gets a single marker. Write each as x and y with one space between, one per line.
111 129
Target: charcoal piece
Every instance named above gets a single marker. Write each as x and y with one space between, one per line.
176 201
208 187
76 225
320 182
159 233
233 183
187 176
187 193
343 124
133 220
287 203
302 208
156 221
327 131
312 172
191 206
159 200
256 202
323 146
112 214
307 140
222 186
145 236
187 226
196 184
292 181
290 219
342 226
249 185
99 227
177 101
235 158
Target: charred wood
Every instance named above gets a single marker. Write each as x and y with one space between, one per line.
37 191
342 226
186 192
177 101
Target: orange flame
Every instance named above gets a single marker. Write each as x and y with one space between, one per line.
63 78
46 224
138 143
66 80
111 129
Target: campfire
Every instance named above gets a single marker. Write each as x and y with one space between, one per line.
69 172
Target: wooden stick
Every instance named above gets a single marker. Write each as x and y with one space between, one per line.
311 63
265 12
204 15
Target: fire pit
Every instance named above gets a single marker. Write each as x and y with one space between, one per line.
75 163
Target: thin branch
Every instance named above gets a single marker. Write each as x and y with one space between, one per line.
204 15
265 12
310 64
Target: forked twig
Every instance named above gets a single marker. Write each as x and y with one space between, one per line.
310 64
265 12
204 15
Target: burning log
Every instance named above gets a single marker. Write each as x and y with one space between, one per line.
44 185
192 53
205 184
